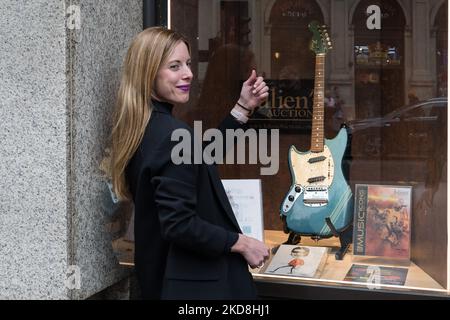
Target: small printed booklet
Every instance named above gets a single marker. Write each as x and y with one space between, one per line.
376 274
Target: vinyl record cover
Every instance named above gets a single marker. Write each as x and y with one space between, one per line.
382 221
297 260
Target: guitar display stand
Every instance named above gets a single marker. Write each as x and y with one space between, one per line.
345 237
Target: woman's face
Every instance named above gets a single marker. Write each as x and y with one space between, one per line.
173 80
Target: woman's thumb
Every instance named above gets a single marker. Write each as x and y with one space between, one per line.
251 80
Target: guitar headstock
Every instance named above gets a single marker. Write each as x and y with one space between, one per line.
321 42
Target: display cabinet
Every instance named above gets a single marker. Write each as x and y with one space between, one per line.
384 80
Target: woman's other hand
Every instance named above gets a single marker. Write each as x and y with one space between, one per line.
253 250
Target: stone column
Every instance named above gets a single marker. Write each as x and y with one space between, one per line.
340 58
265 38
422 80
59 73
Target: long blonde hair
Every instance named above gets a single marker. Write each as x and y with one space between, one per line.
147 52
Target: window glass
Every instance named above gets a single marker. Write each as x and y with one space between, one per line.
385 79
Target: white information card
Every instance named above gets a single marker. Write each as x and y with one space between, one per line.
246 200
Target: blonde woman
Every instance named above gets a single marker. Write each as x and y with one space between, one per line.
188 244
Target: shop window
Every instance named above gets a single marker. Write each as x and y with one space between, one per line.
395 140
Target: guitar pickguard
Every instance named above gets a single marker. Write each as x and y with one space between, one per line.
312 169
312 174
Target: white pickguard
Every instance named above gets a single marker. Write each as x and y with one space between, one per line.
303 170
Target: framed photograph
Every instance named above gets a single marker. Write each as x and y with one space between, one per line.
298 261
245 197
382 221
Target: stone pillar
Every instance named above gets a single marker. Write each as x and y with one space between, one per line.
408 61
340 58
265 57
422 79
59 74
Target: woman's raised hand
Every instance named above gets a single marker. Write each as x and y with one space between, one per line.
254 92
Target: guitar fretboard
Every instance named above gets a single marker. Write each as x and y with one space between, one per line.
317 135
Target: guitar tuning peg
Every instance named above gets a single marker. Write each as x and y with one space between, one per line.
329 43
330 47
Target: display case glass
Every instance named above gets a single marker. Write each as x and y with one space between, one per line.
373 89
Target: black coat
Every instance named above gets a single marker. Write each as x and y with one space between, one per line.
184 223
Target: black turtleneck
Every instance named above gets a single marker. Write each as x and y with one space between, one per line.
161 106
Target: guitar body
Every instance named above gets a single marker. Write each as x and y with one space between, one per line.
319 190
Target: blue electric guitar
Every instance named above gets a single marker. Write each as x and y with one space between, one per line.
319 202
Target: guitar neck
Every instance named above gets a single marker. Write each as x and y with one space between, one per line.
317 132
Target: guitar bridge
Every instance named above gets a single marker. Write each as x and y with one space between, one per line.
315 196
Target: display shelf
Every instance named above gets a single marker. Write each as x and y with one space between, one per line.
330 283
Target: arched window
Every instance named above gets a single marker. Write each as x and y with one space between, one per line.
290 37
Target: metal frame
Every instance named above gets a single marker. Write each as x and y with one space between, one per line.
303 291
155 13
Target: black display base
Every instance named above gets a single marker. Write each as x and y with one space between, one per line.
345 237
